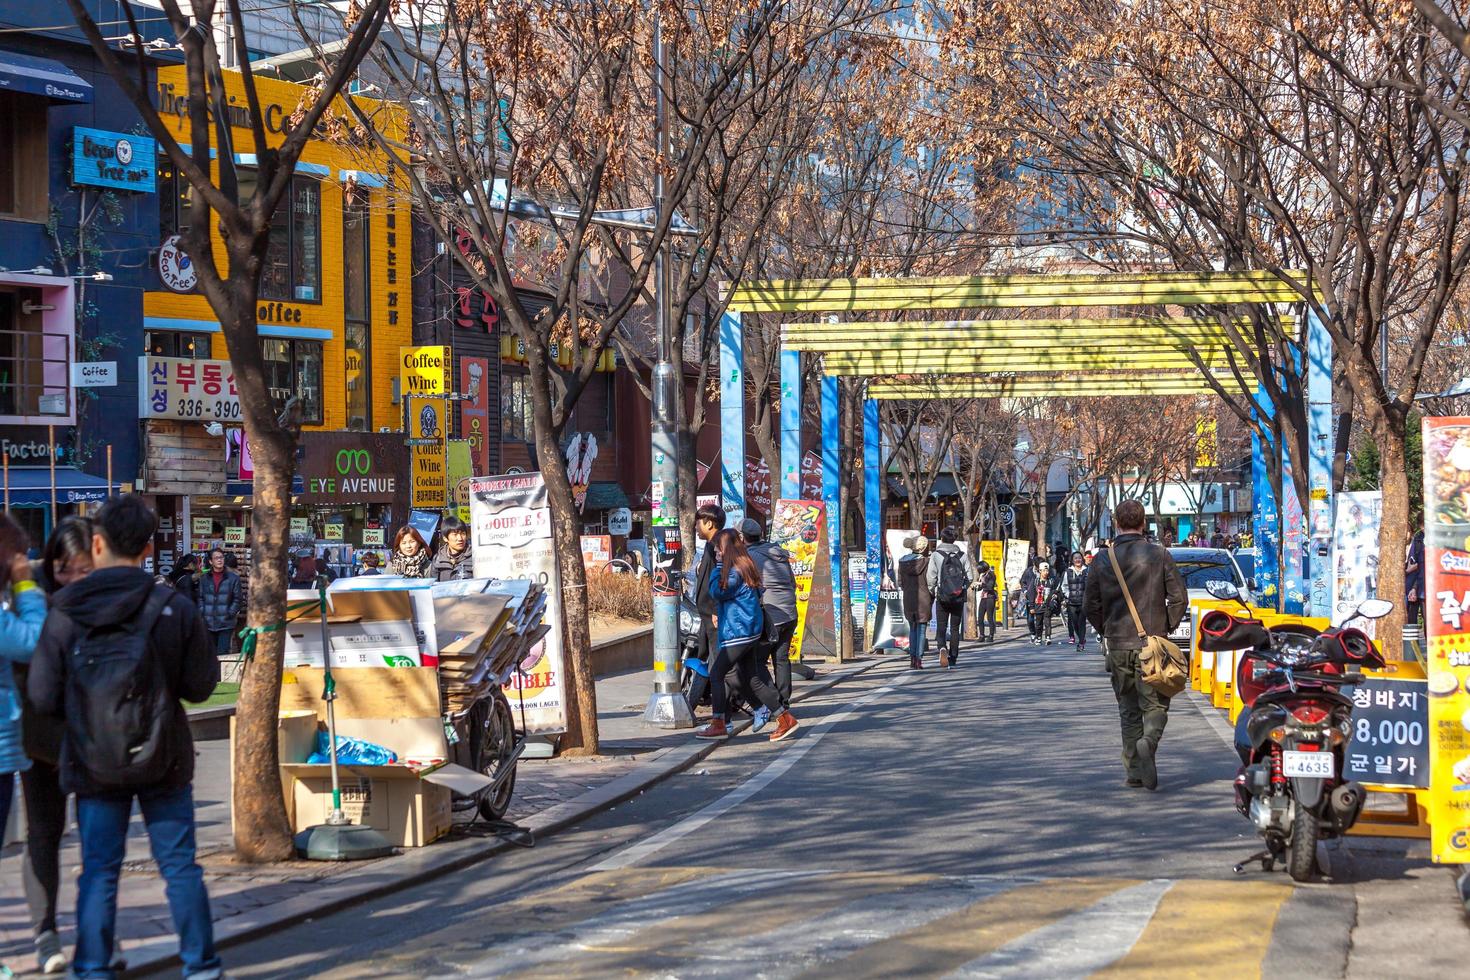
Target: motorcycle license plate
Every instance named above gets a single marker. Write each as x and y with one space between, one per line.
1315 765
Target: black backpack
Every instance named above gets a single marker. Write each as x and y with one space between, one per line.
120 713
953 581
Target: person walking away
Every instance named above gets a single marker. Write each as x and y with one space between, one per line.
1159 596
949 578
454 560
913 584
183 577
1414 582
114 659
1074 592
303 571
20 628
370 564
986 594
735 585
67 558
709 520
409 556
778 608
219 602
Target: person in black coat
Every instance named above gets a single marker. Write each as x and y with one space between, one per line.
918 601
185 579
220 601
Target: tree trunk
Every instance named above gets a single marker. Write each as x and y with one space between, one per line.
1393 533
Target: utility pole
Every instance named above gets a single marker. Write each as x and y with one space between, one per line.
667 707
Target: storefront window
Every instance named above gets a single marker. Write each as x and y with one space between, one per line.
356 224
293 261
173 343
515 407
173 201
294 367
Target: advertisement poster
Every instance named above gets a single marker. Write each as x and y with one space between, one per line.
1447 623
857 586
1017 554
993 554
1355 555
474 409
460 466
800 526
429 464
596 551
510 523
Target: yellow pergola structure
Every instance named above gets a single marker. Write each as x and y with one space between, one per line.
1117 337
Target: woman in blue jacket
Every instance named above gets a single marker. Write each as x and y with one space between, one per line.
735 585
20 627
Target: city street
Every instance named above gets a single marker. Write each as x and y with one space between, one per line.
971 822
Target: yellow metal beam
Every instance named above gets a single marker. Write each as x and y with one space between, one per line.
1043 389
1017 291
1110 332
1043 361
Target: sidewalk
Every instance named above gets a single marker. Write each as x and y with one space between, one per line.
246 900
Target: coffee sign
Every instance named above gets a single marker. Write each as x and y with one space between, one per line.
352 467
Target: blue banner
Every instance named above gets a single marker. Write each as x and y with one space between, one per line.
732 418
832 494
872 511
791 424
120 161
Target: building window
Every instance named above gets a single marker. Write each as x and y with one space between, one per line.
24 166
173 343
173 201
356 235
35 366
515 407
294 367
293 261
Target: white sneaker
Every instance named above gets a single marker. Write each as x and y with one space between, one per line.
49 957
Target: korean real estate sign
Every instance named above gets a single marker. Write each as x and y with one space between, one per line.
1447 622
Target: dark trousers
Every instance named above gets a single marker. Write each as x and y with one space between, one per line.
985 618
778 649
951 627
220 640
1142 711
755 680
45 825
1076 624
169 817
918 634
1039 619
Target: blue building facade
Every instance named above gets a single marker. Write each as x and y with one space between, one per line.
78 229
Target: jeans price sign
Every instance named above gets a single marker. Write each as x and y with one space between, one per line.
1390 744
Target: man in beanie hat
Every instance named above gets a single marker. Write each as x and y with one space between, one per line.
918 601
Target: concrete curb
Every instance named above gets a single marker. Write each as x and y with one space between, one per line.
417 866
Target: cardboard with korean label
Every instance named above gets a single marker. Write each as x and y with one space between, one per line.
368 628
420 594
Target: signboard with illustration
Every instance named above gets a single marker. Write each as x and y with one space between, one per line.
187 389
993 554
581 454
1355 555
800 526
510 524
1447 624
429 417
596 551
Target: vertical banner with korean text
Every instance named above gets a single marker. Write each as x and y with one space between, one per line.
800 526
510 523
423 378
474 410
1447 623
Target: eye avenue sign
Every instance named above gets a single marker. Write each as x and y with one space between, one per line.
352 467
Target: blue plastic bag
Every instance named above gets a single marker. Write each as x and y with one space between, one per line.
351 752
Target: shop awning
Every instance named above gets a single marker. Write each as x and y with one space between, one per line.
605 495
42 76
31 487
944 486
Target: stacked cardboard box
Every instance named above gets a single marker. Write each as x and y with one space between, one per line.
485 628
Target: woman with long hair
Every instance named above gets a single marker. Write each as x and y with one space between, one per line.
410 555
20 627
67 558
735 585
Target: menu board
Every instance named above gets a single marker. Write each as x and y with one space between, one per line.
1390 744
1447 624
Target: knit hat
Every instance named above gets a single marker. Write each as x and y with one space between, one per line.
921 543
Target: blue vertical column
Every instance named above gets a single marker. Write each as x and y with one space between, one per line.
790 424
1319 468
872 510
1265 518
832 496
732 417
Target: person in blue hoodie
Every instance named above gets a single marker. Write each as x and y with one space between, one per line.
20 628
735 584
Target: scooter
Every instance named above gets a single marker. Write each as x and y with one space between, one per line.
1295 730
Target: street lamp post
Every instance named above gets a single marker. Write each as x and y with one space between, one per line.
667 707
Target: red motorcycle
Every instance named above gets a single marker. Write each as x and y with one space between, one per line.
1295 729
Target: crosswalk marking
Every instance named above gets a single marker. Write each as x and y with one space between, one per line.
1075 946
1206 929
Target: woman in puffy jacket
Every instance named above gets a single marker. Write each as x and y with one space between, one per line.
735 585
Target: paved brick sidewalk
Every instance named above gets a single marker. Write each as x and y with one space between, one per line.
236 890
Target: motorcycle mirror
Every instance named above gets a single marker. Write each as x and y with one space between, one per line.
1222 590
1374 608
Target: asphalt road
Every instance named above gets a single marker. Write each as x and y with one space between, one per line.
971 822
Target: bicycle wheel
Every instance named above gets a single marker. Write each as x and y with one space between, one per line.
496 746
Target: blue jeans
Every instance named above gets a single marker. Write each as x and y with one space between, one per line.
169 816
918 633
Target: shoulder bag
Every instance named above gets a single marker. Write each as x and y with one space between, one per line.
1161 664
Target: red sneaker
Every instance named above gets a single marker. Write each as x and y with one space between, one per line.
715 729
785 725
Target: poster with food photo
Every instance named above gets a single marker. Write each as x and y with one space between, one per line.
1447 623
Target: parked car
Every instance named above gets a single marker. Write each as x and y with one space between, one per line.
1200 567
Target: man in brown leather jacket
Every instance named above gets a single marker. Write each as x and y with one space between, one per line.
1159 594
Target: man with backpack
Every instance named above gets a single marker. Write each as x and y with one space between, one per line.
950 575
115 656
778 603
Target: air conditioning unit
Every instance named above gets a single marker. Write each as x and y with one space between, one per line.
51 404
